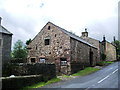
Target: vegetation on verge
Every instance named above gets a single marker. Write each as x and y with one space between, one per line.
102 63
40 84
86 71
117 43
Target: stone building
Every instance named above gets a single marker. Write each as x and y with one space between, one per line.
92 41
67 51
5 44
109 50
103 47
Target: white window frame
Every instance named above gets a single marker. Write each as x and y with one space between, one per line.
63 62
42 60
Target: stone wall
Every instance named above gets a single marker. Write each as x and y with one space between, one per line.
59 47
80 55
94 42
110 52
48 70
6 47
59 43
19 82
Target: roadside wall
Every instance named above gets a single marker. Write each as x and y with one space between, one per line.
48 70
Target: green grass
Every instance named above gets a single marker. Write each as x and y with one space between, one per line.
109 62
102 63
40 84
86 71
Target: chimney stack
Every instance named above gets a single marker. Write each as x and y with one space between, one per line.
114 38
0 20
85 34
104 38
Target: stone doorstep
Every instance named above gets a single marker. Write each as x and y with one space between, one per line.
66 78
99 67
20 76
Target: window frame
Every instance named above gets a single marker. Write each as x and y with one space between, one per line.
63 61
42 60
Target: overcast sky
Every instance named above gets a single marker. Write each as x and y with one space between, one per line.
25 18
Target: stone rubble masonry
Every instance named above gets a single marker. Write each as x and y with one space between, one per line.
103 47
94 42
110 51
61 46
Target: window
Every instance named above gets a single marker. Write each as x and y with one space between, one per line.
36 46
42 60
48 27
63 61
47 41
55 35
32 60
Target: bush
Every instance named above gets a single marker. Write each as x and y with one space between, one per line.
103 56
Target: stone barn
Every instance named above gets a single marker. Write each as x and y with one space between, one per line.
103 47
92 41
67 51
109 50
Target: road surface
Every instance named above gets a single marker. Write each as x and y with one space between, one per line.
107 77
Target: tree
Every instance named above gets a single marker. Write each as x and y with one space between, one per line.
19 50
28 42
117 43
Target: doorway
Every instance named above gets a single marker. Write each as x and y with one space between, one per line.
91 58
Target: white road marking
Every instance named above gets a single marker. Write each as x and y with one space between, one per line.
107 76
114 71
102 79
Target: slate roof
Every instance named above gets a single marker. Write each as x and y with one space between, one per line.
4 30
73 36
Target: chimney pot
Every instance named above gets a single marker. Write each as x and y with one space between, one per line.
103 37
85 29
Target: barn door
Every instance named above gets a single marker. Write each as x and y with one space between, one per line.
63 65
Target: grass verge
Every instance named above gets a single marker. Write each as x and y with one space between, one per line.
102 63
86 71
40 84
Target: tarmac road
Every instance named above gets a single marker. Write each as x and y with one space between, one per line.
106 78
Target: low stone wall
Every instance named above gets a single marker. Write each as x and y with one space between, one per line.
27 74
19 82
48 70
77 66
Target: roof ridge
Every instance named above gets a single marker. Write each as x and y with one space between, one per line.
73 35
